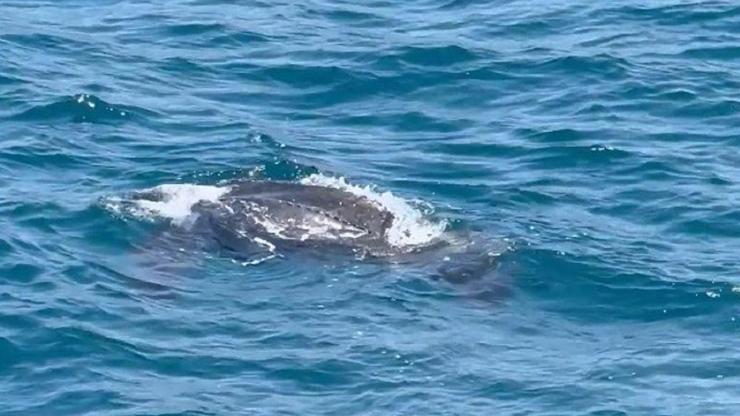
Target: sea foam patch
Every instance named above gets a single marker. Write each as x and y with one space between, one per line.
410 226
177 200
168 201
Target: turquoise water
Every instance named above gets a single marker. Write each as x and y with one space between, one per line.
599 143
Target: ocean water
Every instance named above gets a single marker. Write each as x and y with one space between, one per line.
597 144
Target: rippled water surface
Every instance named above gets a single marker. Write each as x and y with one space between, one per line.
598 142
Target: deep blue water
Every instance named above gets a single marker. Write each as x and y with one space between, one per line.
599 140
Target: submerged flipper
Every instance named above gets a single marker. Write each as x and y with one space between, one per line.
466 266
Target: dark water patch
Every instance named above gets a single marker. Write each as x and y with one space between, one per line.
97 29
655 170
68 342
638 90
321 375
238 68
77 401
653 208
239 38
458 4
417 121
98 88
140 284
368 120
149 17
178 65
355 17
206 366
565 103
721 53
628 296
688 138
673 15
21 273
26 246
597 110
600 66
714 223
5 247
45 41
335 86
80 275
528 197
603 41
28 209
438 56
10 354
103 233
192 29
715 179
709 109
40 224
300 76
477 149
528 26
564 135
357 89
9 80
474 192
40 158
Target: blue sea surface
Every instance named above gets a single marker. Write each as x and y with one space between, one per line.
599 142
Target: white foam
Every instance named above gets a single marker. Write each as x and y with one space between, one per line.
177 200
410 227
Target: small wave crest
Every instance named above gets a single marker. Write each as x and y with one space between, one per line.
80 108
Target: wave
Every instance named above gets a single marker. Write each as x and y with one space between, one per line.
8 80
437 55
81 108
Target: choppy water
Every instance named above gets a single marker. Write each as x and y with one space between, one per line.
600 140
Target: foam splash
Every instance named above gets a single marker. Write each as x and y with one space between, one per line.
410 228
173 201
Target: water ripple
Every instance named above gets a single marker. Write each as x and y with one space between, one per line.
80 108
